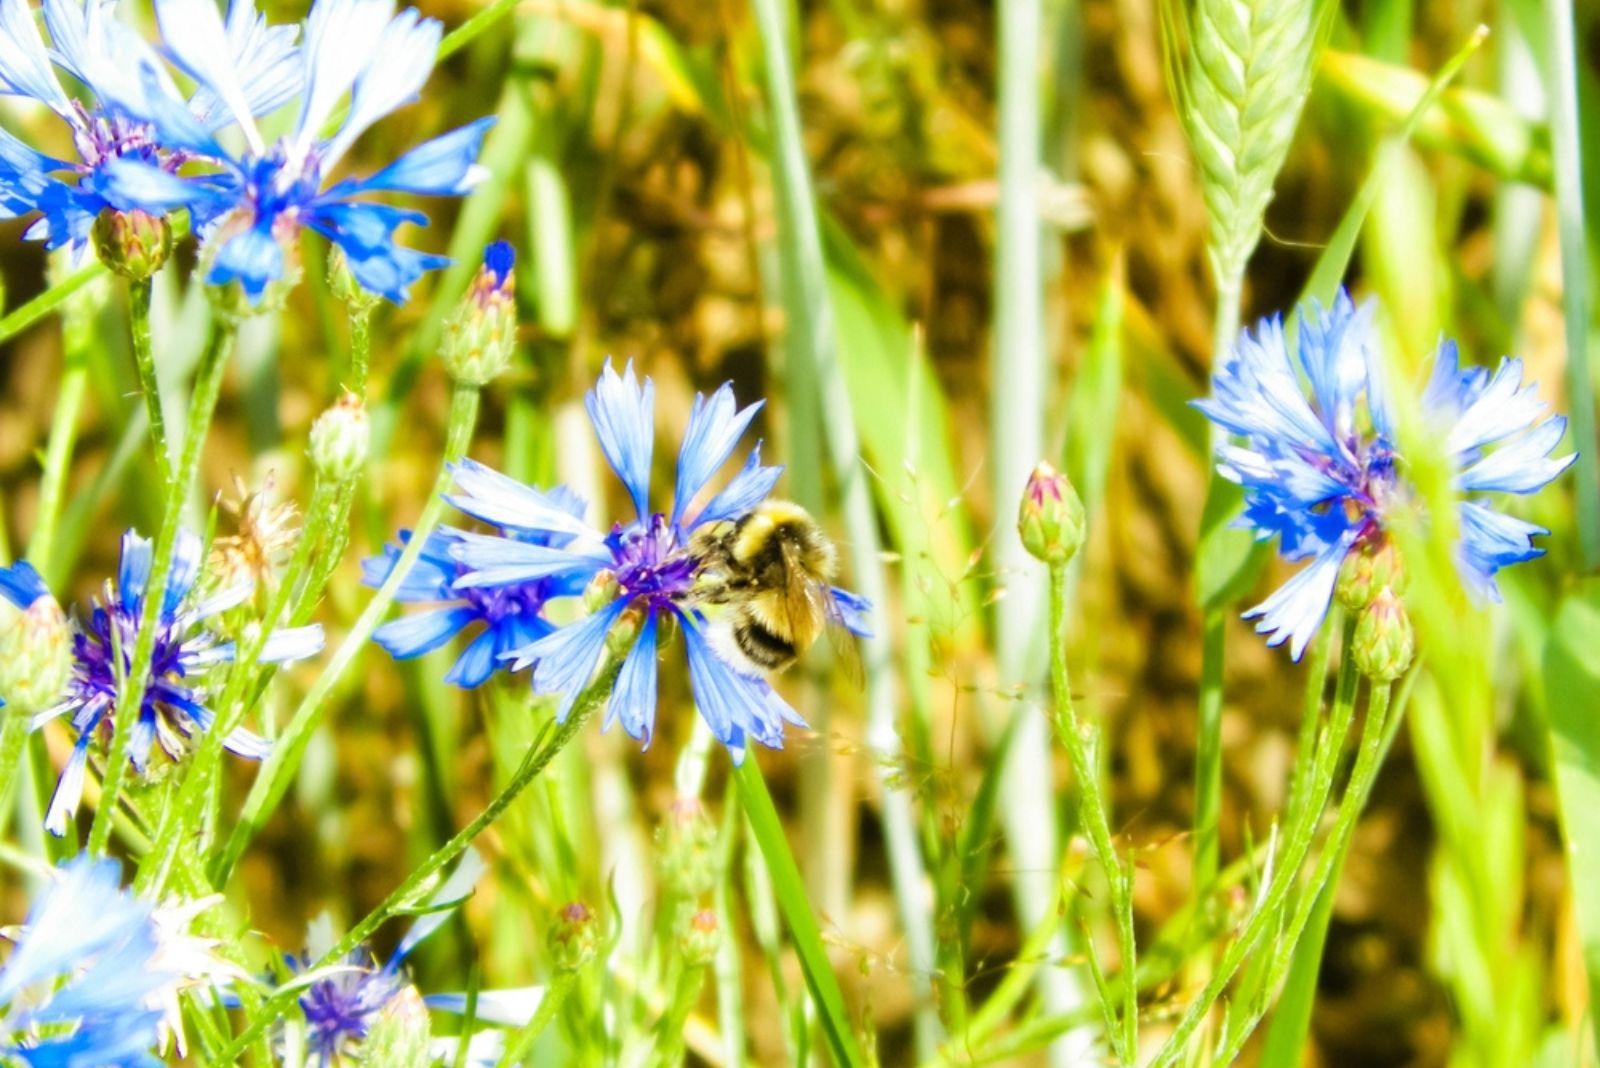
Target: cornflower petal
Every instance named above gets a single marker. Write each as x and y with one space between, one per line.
413 636
715 427
623 413
1522 465
445 166
69 789
24 63
633 699
342 37
21 584
752 485
198 42
567 657
1296 609
493 498
401 64
494 561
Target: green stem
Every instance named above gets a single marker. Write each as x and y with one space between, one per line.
1119 872
139 292
1374 739
13 751
195 788
1285 869
474 27
360 346
521 1044
57 461
1208 745
130 696
279 769
48 301
1311 712
592 699
790 890
669 1045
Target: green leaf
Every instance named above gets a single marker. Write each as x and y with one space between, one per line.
793 902
1572 680
1229 560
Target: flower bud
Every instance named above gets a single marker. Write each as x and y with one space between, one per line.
400 1036
698 939
133 244
339 439
573 939
1383 643
481 334
344 287
35 646
685 849
1051 520
601 591
1367 570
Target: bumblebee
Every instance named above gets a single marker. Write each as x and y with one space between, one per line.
772 568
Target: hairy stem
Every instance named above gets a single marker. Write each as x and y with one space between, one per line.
538 758
279 769
139 293
1096 822
131 691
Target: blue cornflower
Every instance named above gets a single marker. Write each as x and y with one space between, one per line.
173 711
645 569
511 614
253 207
1320 471
347 999
84 983
126 83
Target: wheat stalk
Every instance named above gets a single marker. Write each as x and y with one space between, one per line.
1240 88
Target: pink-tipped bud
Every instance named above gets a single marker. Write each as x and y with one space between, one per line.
1368 569
481 334
1384 644
699 938
1051 519
134 244
686 849
573 938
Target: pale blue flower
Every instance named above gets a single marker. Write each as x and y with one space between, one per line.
126 83
255 205
1315 446
81 984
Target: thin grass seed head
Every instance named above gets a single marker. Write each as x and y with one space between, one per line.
1314 447
1241 71
699 938
186 649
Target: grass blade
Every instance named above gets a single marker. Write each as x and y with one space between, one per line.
790 890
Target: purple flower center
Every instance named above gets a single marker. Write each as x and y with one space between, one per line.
342 1008
101 137
496 603
650 563
114 629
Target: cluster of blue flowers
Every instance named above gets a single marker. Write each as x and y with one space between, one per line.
641 572
173 712
1316 455
143 147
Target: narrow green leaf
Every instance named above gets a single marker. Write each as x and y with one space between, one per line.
790 890
1572 680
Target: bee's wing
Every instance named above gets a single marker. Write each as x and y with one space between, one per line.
803 603
846 649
